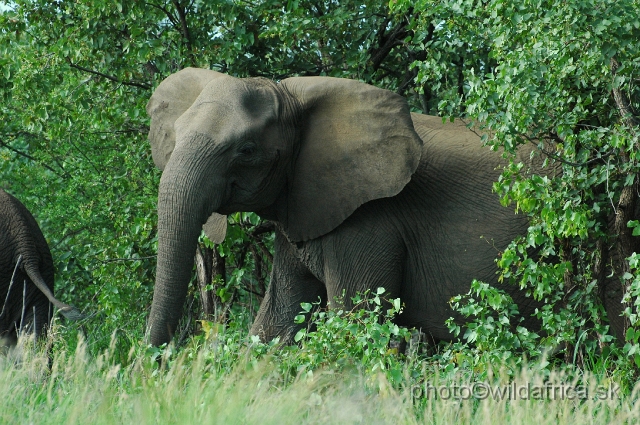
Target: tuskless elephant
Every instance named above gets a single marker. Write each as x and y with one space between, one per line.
364 194
26 274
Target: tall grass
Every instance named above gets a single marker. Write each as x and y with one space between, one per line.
76 388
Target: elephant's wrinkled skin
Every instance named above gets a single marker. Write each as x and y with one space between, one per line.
26 274
363 193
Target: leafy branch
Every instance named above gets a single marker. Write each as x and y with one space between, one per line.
31 158
109 77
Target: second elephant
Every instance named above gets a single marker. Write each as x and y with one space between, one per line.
26 274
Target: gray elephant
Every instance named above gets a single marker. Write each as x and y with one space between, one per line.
26 274
364 194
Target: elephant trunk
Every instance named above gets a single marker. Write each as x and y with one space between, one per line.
182 210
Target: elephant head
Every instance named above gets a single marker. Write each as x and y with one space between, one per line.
305 152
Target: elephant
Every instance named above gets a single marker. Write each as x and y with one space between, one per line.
26 275
363 194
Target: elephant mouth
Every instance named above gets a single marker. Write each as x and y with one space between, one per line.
228 199
241 197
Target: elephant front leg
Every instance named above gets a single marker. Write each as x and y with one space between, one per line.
291 284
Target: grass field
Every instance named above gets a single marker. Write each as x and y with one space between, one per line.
77 388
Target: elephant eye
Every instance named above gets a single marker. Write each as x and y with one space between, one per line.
248 150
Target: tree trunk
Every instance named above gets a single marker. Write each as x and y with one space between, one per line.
209 265
625 244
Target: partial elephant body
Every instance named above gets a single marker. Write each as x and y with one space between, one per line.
26 274
424 245
364 195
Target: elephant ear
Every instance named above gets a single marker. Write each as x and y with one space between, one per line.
172 98
357 143
216 227
169 101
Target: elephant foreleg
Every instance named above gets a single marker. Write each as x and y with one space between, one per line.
291 284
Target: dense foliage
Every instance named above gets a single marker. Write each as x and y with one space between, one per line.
562 75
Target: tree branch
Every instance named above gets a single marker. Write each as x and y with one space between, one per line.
387 41
264 227
623 102
564 161
70 235
109 77
171 18
184 29
29 157
118 260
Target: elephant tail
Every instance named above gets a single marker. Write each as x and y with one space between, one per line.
68 311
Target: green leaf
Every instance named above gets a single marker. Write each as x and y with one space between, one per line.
299 335
396 304
630 335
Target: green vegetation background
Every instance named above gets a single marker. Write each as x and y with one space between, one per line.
563 75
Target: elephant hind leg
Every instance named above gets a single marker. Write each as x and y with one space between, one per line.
23 310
